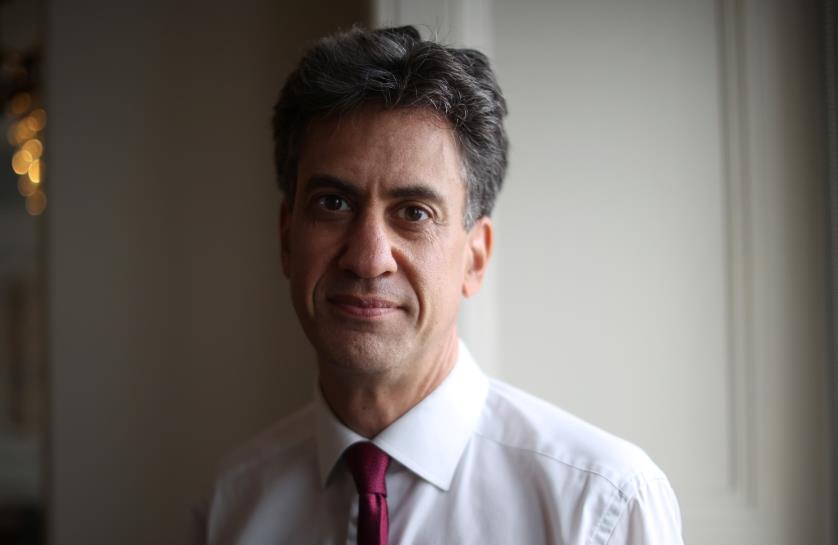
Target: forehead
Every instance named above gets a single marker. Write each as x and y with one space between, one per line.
375 147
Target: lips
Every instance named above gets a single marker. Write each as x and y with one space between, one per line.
363 306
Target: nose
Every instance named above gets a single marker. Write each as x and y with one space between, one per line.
369 250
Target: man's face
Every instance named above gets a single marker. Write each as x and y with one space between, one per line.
374 245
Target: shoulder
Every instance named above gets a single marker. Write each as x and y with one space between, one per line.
262 480
562 443
278 446
589 485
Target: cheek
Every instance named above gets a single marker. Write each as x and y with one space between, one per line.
440 275
309 261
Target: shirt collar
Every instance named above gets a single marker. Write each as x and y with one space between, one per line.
429 439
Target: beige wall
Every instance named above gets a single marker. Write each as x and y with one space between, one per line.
171 339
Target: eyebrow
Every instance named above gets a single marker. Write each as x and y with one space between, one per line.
326 181
411 191
417 191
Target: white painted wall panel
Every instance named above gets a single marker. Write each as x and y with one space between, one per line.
613 221
660 233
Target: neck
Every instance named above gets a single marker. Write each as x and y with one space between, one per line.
369 403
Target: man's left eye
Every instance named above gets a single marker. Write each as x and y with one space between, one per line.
414 213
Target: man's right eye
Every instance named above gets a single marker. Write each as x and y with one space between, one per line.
333 203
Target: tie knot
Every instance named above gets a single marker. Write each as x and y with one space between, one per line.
368 464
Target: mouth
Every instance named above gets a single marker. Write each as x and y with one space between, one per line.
363 307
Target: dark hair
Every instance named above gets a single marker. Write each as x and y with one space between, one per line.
394 67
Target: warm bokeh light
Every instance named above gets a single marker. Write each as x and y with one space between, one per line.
20 103
26 160
25 186
35 171
22 132
34 147
36 203
37 120
21 162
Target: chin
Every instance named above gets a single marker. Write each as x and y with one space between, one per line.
360 352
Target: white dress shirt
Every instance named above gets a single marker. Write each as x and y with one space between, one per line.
477 461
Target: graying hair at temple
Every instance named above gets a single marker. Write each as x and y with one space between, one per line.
395 68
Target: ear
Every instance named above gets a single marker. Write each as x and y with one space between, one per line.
479 250
284 237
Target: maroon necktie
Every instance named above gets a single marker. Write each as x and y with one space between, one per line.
369 465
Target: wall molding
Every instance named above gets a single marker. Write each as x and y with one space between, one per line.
739 240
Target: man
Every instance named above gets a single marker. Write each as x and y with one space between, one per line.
390 152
